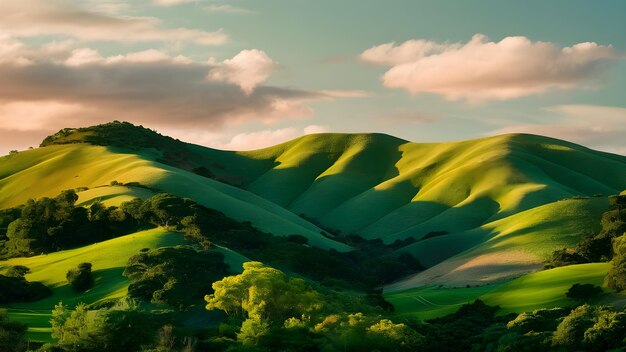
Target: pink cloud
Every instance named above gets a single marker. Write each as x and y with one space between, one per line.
482 70
247 69
599 127
31 18
267 138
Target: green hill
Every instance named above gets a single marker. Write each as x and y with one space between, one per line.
494 200
48 170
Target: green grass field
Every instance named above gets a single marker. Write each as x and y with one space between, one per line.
544 289
108 259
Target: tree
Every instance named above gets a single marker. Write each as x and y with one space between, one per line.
174 275
80 278
102 330
616 276
262 296
591 328
583 292
18 271
12 334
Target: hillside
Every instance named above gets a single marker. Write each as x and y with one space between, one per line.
48 170
493 200
482 216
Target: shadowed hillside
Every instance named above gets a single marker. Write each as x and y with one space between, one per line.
467 205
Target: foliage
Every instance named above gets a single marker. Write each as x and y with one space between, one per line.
17 289
12 335
86 330
537 321
281 313
616 277
584 292
174 275
17 271
51 224
591 328
461 330
262 296
596 247
80 278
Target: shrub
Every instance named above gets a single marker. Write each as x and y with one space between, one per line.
80 278
583 292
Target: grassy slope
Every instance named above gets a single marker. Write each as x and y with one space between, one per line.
108 259
383 187
504 248
497 196
545 289
47 171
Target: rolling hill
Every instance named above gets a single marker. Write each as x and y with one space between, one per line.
481 215
495 200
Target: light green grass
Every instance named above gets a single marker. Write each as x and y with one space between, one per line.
112 195
504 248
432 302
108 259
47 171
544 289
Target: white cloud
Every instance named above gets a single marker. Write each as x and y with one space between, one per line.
312 129
267 138
598 127
88 56
334 93
226 9
247 69
169 2
482 70
31 18
390 54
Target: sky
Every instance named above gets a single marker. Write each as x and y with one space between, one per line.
246 74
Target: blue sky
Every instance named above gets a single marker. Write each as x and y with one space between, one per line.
241 74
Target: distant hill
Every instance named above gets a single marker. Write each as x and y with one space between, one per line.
455 199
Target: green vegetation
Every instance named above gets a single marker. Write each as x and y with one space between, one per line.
12 335
176 276
584 292
596 247
458 232
17 289
51 224
80 278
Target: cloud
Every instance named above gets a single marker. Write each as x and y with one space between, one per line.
31 18
267 138
599 127
346 93
168 3
482 70
226 9
247 69
60 86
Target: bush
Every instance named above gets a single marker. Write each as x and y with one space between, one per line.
12 335
583 292
174 275
80 278
17 289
